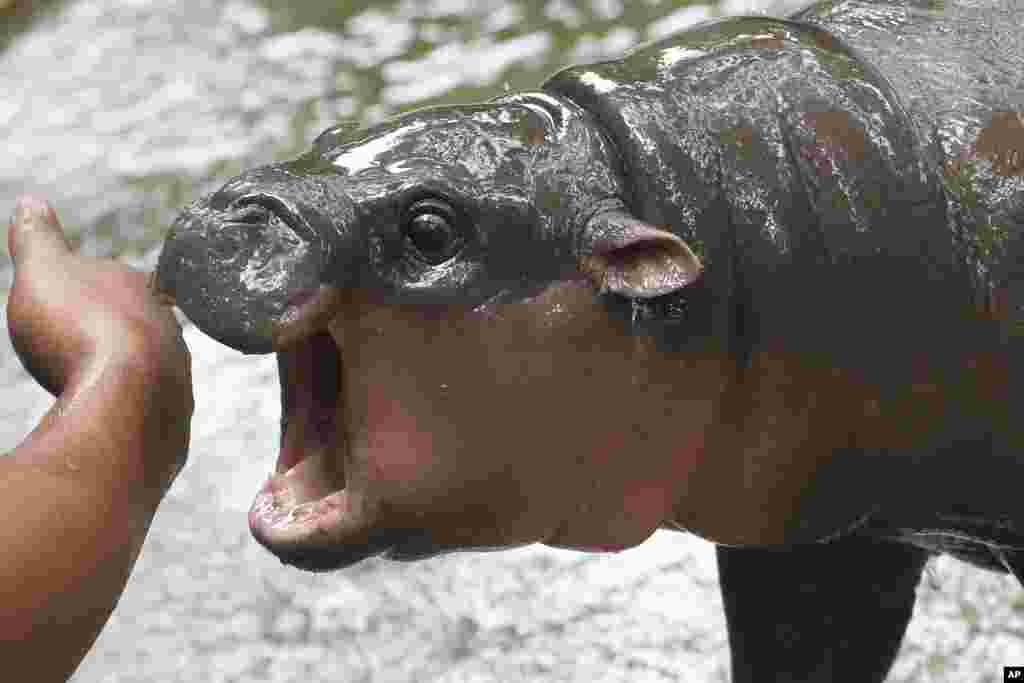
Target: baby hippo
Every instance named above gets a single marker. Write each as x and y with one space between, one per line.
760 281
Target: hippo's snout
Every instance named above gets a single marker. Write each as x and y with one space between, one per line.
237 261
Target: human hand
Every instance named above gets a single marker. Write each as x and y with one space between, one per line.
77 321
79 494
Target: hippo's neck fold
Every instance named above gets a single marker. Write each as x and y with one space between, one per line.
783 159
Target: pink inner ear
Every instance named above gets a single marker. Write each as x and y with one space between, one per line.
636 259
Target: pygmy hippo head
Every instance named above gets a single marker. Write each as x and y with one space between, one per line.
450 375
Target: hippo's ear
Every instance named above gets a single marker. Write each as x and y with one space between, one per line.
622 254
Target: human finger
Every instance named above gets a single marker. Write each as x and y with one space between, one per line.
35 232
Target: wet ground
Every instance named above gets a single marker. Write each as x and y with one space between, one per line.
122 112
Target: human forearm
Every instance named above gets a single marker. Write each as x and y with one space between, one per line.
68 553
77 498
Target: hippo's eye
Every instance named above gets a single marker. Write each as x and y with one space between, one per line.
431 226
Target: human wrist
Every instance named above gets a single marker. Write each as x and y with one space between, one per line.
121 425
156 442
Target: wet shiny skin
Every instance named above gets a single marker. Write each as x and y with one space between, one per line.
854 238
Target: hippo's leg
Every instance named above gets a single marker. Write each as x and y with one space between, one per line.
819 612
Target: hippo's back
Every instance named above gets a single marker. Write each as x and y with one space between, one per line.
952 62
958 68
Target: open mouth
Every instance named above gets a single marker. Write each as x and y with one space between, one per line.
299 504
309 478
305 514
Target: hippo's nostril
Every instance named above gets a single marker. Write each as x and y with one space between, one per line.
262 209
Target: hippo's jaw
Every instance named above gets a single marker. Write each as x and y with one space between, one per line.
305 513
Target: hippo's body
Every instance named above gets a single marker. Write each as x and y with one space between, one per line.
760 280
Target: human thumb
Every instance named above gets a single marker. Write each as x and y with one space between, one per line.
35 231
